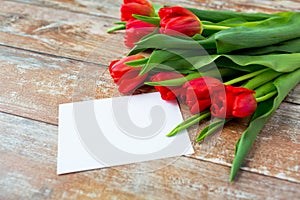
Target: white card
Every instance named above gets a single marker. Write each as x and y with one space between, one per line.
116 131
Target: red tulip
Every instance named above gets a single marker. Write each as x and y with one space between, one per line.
167 92
138 7
233 102
199 91
131 80
125 76
177 19
118 68
135 30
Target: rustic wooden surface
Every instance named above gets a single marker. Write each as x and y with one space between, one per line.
57 51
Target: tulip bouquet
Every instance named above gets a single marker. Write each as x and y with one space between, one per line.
221 64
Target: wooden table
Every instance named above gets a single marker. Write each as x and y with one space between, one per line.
57 51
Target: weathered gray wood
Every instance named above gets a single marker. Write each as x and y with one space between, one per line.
28 171
44 28
277 147
36 84
294 95
59 32
110 8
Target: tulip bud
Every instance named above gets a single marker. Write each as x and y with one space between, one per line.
177 19
138 7
198 93
125 76
167 92
131 80
135 30
118 68
233 102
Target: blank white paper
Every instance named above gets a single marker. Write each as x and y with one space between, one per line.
117 131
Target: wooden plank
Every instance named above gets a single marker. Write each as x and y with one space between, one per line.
110 8
294 95
276 151
59 32
63 33
28 149
36 84
107 8
268 6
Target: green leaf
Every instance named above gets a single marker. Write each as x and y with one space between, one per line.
289 46
271 31
137 63
284 84
150 20
198 37
166 42
277 62
156 57
221 15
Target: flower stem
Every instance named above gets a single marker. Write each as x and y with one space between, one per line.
119 23
211 128
176 81
117 28
189 122
261 79
266 97
180 81
245 77
215 27
265 89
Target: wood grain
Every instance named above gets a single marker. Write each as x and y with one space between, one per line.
294 95
275 152
59 32
57 51
28 149
39 26
110 8
36 84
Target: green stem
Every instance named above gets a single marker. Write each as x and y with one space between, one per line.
117 28
211 128
180 81
119 23
261 79
245 77
266 97
176 81
189 122
265 89
215 27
